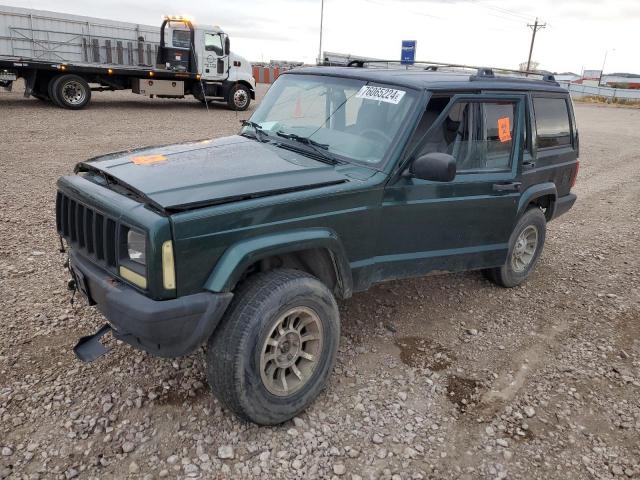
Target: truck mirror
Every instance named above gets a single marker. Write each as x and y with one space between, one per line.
227 45
437 167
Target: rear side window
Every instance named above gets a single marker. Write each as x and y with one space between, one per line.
552 122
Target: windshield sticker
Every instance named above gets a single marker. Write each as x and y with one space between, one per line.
148 159
381 94
504 129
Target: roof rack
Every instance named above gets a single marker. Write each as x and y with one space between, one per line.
480 73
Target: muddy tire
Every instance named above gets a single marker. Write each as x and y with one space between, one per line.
525 247
239 97
276 346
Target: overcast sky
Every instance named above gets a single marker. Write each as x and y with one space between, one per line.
479 32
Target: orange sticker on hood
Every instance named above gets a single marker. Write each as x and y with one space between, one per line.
504 129
148 159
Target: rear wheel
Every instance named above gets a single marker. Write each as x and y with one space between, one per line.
71 91
239 97
276 346
525 246
51 91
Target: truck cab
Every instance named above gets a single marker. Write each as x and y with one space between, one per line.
205 50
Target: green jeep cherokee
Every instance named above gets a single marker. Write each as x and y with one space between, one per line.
343 177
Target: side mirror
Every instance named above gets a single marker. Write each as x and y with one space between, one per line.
227 45
438 167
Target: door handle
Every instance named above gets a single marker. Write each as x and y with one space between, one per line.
507 187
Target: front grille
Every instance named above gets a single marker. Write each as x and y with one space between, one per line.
87 230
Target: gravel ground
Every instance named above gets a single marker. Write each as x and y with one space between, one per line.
440 377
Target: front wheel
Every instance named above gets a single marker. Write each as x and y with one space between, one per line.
71 91
525 246
276 346
239 97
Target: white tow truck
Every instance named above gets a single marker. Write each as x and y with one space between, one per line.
190 59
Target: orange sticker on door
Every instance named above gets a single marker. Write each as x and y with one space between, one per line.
504 129
148 159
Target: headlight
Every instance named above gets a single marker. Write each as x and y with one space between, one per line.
136 246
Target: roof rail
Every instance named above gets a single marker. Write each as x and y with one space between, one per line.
480 72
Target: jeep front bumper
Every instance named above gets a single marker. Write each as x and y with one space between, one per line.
167 328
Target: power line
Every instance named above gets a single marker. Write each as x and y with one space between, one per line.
502 10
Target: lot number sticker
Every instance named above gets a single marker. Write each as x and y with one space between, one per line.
504 129
381 94
148 159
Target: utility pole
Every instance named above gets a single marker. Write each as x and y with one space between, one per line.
603 64
321 19
535 27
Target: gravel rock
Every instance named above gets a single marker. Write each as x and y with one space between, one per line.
71 473
339 469
191 469
6 452
128 447
225 452
134 468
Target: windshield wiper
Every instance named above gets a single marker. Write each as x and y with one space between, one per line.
322 149
261 136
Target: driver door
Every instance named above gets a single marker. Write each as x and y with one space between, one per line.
466 223
214 61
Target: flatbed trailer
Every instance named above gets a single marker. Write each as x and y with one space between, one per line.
189 59
38 76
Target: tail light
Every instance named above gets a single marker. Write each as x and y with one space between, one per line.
574 175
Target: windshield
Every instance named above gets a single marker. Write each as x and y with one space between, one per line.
349 118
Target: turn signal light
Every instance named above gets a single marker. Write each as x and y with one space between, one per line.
168 268
133 277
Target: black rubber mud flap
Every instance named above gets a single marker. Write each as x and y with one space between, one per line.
89 348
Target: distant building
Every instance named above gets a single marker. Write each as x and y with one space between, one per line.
591 77
621 80
567 77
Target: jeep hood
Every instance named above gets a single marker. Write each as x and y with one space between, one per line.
191 175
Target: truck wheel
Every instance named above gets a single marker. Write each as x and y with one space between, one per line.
276 346
71 91
525 246
239 97
51 91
